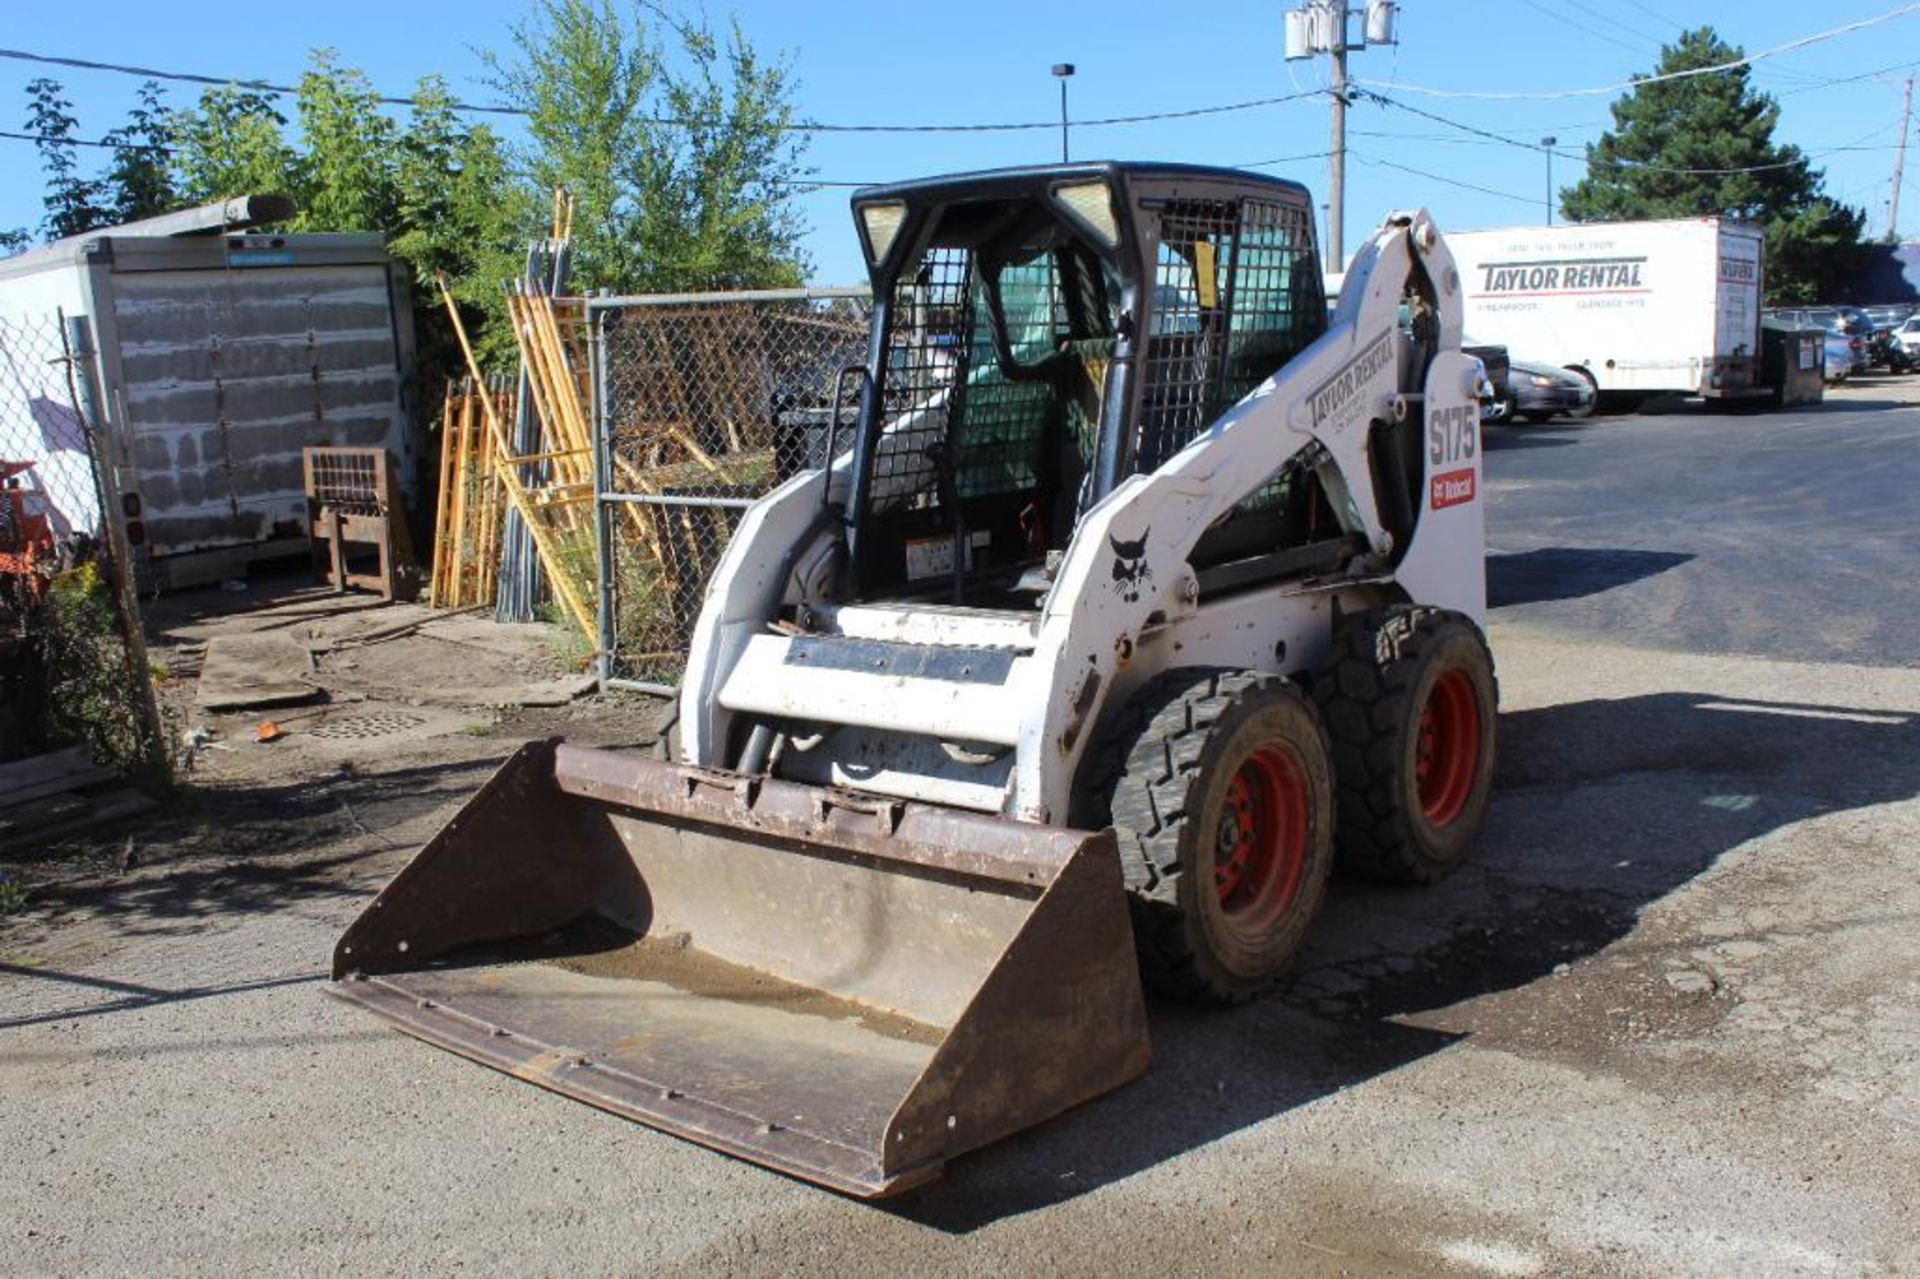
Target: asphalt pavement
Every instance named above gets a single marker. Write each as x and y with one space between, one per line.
1667 1021
1773 534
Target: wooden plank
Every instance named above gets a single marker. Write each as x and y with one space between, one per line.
38 825
91 775
39 768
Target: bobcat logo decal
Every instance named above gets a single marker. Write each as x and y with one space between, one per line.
1130 571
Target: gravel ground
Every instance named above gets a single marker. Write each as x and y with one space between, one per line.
1667 1021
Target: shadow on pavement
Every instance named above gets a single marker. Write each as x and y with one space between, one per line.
133 995
1570 572
1505 437
219 853
1603 808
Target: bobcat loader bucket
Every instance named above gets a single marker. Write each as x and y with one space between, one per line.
851 991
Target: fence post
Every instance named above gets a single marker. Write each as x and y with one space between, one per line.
602 485
82 370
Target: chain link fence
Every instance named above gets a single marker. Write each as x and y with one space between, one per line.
72 662
702 403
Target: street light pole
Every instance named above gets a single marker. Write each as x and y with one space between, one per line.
1547 145
1063 70
1337 150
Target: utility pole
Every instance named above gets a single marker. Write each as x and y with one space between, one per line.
1327 26
1900 165
1337 159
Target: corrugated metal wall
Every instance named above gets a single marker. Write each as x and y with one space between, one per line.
227 375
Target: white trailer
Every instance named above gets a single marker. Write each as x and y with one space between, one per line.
222 353
1637 307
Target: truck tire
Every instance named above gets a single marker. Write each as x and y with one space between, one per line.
1410 701
1219 787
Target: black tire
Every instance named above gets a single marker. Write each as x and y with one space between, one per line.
1199 763
1403 818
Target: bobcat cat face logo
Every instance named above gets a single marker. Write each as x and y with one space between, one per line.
1130 571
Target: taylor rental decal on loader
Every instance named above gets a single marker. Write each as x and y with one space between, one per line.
1135 569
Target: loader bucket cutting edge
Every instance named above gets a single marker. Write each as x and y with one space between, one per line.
848 989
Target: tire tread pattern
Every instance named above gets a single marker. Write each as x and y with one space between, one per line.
1365 694
1139 779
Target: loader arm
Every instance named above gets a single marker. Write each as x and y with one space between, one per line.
1323 400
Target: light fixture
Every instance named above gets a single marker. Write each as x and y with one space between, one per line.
1091 204
881 222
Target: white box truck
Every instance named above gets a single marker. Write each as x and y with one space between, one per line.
223 352
1639 308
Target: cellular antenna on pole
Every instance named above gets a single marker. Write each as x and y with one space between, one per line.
1332 28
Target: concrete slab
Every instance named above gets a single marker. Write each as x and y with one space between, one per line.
266 669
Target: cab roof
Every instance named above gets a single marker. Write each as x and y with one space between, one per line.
1122 174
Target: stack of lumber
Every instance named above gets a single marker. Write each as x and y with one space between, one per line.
61 793
550 489
491 490
472 506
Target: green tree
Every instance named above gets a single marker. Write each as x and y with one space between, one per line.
73 202
676 150
233 143
733 168
138 183
1703 145
347 171
459 211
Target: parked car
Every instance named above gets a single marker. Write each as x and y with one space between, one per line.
1855 321
1541 392
1845 356
1907 339
1496 399
1886 323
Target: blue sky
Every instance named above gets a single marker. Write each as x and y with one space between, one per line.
861 63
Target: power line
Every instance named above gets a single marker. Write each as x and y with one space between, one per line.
108 143
1614 18
1816 38
1538 6
1636 165
1849 79
284 90
1452 182
1284 159
1661 16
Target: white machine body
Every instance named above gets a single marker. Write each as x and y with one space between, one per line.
992 710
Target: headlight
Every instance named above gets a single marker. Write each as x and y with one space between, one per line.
1537 380
881 222
1092 204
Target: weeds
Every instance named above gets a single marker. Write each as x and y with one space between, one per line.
13 895
93 689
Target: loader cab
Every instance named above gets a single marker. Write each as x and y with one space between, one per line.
1039 335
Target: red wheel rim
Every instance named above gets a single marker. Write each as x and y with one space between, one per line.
1260 848
1446 759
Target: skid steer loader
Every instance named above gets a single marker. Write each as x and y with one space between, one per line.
1128 578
